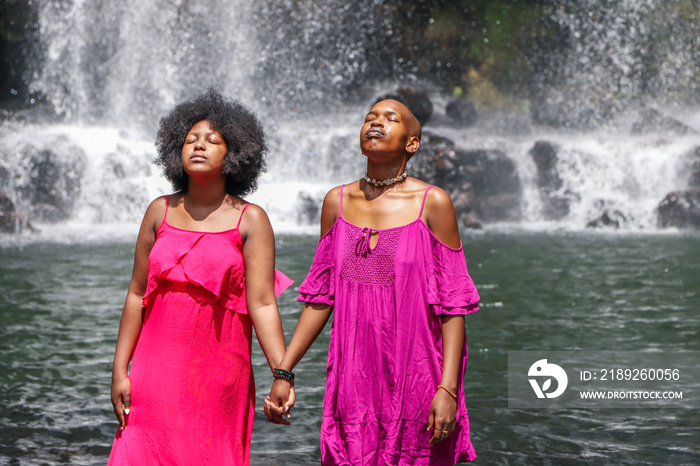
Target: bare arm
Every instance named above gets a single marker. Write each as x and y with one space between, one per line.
259 259
313 319
442 221
132 314
314 316
443 410
311 322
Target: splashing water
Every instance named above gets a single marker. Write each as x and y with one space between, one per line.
112 69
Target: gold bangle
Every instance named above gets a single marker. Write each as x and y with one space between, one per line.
452 394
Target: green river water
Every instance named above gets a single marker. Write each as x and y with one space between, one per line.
60 306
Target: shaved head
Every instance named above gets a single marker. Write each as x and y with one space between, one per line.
414 127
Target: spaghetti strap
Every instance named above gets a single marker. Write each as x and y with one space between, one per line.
242 212
425 195
167 201
342 186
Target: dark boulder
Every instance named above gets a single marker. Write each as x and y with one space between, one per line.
435 155
650 120
462 111
544 154
692 168
609 219
555 203
680 209
7 214
50 180
308 209
482 183
417 101
12 221
4 177
469 222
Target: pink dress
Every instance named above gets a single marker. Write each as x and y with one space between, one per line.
385 355
192 388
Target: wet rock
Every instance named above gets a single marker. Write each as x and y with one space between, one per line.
416 100
651 120
308 209
7 212
693 168
544 154
609 219
462 111
49 180
680 209
483 184
4 177
555 204
122 165
435 155
12 221
469 222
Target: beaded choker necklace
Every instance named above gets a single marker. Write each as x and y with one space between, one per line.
388 182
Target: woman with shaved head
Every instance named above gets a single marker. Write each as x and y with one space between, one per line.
390 265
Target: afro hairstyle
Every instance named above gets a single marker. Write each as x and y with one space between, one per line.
241 130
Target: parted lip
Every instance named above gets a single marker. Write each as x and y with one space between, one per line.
374 133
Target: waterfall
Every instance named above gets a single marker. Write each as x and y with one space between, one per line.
129 62
110 70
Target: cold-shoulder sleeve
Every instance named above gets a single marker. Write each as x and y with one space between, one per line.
451 290
318 287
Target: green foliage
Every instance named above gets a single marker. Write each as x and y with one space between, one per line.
18 28
447 39
14 15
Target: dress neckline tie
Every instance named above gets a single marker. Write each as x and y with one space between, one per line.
364 243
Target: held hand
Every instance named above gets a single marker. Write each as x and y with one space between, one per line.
121 399
443 412
280 401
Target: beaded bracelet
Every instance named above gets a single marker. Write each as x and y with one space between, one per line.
452 394
282 374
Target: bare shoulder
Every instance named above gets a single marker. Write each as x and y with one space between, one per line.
159 203
439 215
438 201
254 222
333 196
416 184
331 206
331 203
155 213
253 215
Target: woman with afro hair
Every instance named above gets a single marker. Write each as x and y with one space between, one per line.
203 277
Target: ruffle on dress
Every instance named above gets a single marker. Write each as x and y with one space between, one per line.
185 257
319 285
450 288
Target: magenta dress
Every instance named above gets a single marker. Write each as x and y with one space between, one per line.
385 355
192 387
